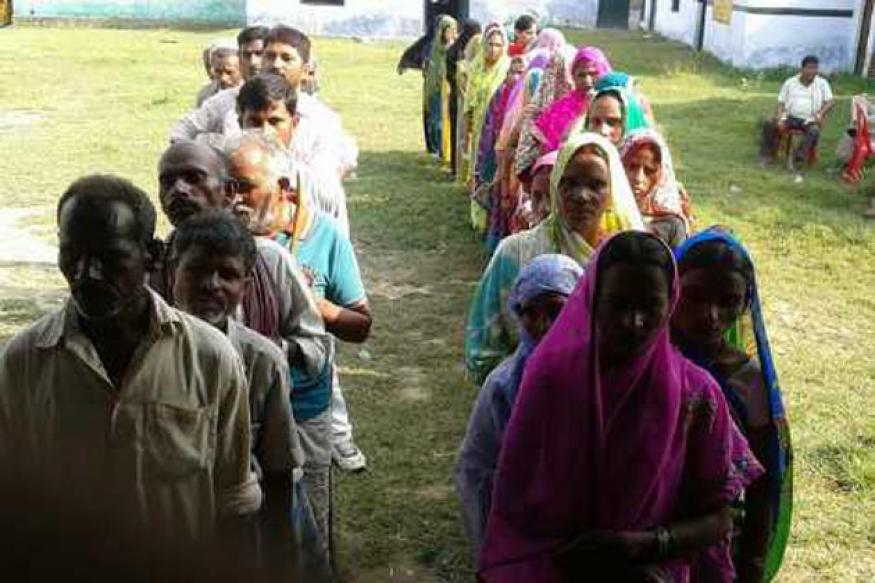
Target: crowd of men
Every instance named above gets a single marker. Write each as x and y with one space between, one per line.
187 391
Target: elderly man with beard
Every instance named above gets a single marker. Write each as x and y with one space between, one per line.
278 304
116 399
274 201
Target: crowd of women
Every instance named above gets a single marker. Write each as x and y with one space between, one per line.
630 425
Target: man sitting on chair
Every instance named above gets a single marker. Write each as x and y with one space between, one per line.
803 103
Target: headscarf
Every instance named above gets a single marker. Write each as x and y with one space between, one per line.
483 83
456 52
522 93
665 197
555 83
781 449
545 274
633 114
621 214
628 449
551 273
550 39
614 79
436 71
553 124
548 160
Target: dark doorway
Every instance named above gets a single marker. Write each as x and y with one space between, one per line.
613 14
701 23
458 9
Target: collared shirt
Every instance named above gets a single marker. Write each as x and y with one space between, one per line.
170 444
803 101
275 444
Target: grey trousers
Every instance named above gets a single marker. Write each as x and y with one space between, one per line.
316 441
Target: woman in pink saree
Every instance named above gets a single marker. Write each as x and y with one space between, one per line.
621 457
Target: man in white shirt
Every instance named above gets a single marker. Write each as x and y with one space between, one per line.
216 115
803 103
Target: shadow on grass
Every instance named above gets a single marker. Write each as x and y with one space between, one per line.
404 200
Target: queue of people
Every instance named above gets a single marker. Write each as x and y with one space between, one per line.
191 385
630 424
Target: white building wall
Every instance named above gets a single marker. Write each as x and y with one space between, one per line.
726 41
758 41
367 18
775 41
681 25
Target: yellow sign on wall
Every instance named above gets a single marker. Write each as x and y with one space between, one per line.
723 11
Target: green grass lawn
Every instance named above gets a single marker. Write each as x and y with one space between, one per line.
106 99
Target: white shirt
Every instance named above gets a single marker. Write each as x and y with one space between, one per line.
803 101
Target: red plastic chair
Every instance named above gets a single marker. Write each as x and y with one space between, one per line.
785 146
852 173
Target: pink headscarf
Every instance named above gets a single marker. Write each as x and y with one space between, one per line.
548 160
553 124
632 449
551 39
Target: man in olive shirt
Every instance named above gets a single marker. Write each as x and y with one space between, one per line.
118 396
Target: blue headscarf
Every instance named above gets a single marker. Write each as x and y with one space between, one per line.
613 79
781 452
545 274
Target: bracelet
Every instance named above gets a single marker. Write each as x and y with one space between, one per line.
664 541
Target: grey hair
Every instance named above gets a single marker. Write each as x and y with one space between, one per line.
279 161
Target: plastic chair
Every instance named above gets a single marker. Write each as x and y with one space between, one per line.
852 173
785 146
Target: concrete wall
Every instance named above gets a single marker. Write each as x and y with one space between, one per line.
681 25
758 41
230 12
579 13
393 18
726 41
370 18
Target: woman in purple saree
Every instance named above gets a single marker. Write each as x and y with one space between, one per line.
621 457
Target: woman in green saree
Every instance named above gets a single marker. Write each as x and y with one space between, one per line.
590 199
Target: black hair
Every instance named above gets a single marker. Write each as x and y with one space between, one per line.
251 34
638 248
810 60
292 37
524 22
220 232
258 93
105 189
716 253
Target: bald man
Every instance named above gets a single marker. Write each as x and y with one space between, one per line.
278 303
